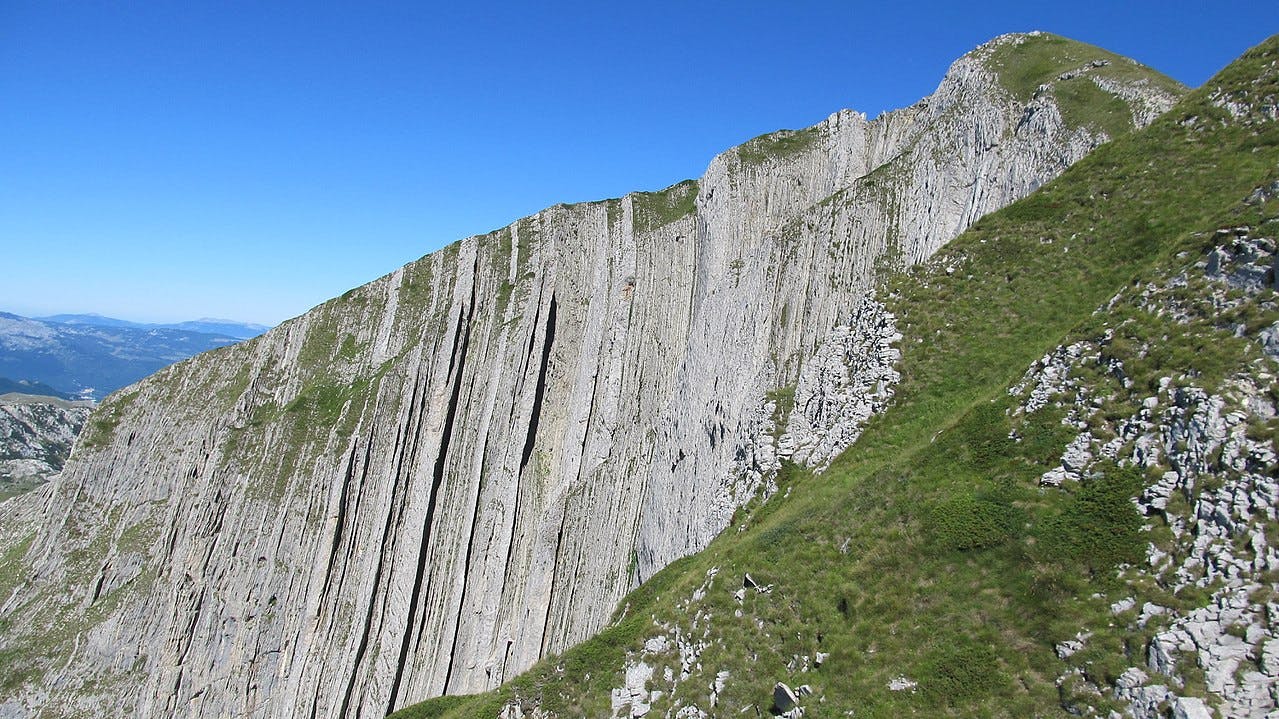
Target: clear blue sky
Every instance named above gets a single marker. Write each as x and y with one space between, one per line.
169 160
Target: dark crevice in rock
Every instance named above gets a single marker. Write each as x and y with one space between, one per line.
368 621
548 339
466 573
188 634
340 525
395 513
515 509
532 339
102 579
407 441
387 526
470 551
580 482
555 571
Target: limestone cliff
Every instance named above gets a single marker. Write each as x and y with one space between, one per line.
431 482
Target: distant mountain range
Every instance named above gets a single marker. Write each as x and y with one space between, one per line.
90 356
205 325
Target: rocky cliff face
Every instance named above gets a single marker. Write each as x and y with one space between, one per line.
424 486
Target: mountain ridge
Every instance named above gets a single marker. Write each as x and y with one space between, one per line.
970 556
205 325
366 423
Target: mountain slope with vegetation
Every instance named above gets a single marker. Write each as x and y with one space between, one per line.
971 555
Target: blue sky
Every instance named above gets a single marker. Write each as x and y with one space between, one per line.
165 161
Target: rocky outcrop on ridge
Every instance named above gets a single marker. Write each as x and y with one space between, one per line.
427 484
36 434
847 380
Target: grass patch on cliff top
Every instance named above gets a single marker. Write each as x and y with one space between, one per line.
100 429
1038 59
657 209
777 145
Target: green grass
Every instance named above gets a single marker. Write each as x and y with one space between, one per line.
11 567
657 209
1040 59
1084 104
14 487
1097 527
777 145
100 430
929 550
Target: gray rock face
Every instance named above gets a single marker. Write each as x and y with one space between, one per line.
784 698
846 381
424 486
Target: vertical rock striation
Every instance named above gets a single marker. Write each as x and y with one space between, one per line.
427 484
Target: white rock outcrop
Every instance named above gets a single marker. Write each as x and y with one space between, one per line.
36 434
1217 489
425 485
847 380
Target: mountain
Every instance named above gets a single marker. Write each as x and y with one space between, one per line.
205 325
432 482
36 434
91 319
1068 509
82 358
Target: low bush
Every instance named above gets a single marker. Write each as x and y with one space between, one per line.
970 522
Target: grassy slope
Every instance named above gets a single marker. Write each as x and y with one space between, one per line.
1022 70
926 551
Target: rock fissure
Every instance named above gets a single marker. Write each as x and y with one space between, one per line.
422 589
539 392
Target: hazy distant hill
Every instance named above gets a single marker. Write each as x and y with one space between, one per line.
206 325
94 356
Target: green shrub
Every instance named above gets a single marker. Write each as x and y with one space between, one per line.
431 708
985 435
969 522
657 209
1099 526
959 670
